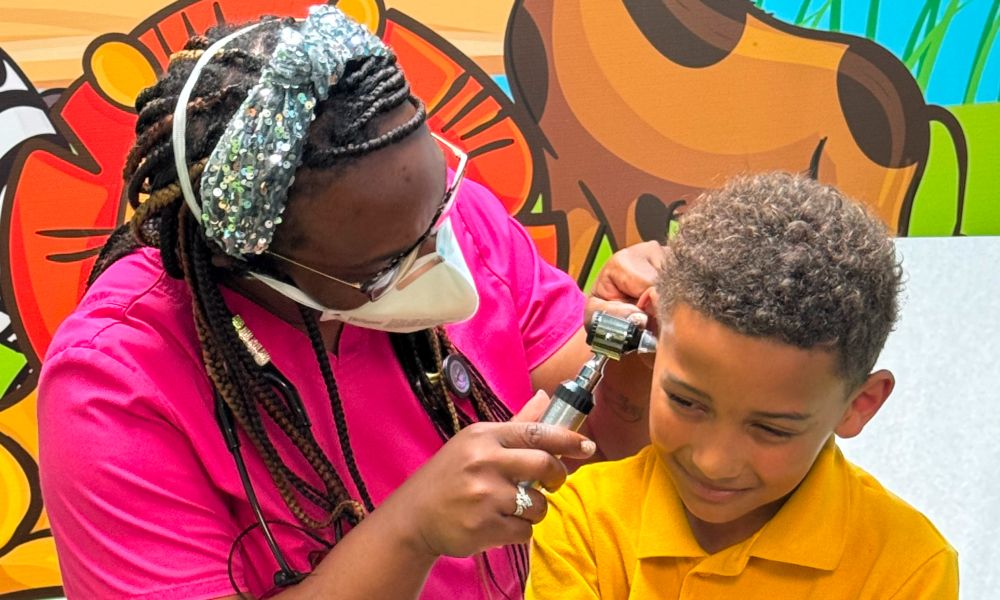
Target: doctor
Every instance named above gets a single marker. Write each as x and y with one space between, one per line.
309 365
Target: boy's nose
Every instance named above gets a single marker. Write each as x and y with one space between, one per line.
717 462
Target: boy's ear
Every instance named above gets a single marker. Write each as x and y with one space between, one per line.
649 303
867 401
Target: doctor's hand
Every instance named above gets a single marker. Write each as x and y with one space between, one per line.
533 410
625 285
463 500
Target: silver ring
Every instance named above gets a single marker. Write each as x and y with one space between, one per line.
522 499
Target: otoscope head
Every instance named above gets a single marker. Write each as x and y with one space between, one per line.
647 343
614 337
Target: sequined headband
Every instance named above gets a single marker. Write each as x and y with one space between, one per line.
245 183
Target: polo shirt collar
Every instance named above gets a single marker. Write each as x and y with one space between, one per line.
810 530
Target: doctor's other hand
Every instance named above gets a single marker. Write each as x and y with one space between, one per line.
625 285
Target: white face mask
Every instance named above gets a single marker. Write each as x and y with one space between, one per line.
445 293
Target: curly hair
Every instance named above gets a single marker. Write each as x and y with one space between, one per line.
787 258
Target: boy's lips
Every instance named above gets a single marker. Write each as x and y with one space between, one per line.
710 493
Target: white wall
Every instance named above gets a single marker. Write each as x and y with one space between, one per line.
936 442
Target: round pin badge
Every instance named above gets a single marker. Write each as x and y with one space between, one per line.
457 376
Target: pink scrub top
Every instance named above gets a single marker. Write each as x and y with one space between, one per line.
143 496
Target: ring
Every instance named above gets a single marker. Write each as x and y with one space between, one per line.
522 499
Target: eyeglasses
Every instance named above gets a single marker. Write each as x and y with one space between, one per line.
387 278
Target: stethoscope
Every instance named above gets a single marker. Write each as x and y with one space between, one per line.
456 374
286 575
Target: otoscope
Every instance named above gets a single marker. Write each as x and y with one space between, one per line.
609 338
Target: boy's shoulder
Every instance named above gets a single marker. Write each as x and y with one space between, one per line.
600 509
606 478
607 496
890 520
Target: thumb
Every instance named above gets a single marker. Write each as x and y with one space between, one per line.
533 410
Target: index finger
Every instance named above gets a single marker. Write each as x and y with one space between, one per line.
554 440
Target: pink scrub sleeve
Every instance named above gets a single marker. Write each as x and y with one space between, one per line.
145 514
548 304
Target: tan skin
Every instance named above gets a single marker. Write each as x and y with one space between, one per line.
738 421
346 223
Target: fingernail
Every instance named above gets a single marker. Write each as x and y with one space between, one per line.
588 447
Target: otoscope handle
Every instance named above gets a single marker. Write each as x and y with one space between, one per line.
568 409
610 338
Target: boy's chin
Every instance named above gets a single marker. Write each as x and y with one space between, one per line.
743 509
715 513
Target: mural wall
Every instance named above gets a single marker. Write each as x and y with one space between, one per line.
594 122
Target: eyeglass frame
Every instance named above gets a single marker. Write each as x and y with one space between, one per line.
400 265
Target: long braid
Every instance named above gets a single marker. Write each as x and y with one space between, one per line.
161 129
252 382
216 366
342 132
158 201
338 407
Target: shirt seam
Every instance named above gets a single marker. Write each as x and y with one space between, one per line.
475 242
124 320
917 571
556 333
127 319
124 306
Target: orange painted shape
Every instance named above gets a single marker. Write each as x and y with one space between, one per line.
48 291
241 11
547 242
149 40
202 17
53 194
445 112
429 70
29 566
173 30
482 113
507 171
20 423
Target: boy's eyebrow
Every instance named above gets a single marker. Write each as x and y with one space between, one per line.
687 386
791 416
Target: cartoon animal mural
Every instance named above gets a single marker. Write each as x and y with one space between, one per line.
619 112
635 105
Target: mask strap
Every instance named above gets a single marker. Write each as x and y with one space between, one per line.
180 121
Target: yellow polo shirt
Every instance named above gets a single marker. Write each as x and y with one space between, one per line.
618 531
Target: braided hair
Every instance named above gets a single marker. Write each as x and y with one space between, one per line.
345 129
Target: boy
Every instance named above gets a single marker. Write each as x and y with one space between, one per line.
775 300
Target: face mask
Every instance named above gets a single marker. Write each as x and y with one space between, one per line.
444 294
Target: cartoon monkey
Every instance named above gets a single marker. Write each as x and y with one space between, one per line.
642 104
